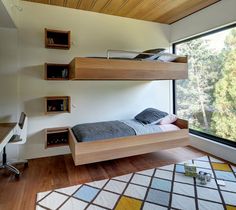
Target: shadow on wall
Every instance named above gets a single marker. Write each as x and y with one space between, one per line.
35 147
6 118
33 142
34 107
36 137
37 43
34 71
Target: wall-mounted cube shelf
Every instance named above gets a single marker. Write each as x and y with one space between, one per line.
57 39
56 137
56 71
57 104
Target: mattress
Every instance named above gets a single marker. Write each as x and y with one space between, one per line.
117 58
115 129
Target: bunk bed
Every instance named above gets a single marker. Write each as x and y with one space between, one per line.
94 68
107 68
113 148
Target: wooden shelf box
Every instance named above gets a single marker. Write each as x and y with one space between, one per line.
57 104
56 137
57 39
56 71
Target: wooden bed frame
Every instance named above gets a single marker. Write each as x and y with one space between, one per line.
96 151
113 69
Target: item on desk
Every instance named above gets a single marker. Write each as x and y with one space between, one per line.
220 182
190 170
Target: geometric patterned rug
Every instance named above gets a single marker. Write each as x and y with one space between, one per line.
155 189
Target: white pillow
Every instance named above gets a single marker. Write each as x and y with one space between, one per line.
156 122
167 57
168 119
168 127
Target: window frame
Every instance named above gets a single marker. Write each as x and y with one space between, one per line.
192 131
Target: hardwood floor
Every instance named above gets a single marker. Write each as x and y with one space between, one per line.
59 171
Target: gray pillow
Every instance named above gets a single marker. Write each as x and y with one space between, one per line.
151 57
150 115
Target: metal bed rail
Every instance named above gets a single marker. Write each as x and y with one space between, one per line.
127 51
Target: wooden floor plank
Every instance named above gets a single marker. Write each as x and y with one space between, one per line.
45 174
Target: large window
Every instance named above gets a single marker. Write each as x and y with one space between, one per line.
208 98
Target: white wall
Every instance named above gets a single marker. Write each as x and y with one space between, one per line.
215 16
8 79
215 148
92 35
8 74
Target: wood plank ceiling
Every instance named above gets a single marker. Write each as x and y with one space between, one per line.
162 11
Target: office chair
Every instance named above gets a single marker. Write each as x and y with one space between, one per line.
19 137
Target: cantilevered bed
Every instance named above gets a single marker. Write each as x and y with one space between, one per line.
107 149
82 68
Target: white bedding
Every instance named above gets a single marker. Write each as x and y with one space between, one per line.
142 129
169 127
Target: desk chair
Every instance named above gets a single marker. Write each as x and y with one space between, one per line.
19 137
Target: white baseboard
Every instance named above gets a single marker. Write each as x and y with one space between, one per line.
220 150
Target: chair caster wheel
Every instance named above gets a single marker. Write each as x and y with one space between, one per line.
26 165
17 176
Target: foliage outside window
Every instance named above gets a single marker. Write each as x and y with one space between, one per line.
208 98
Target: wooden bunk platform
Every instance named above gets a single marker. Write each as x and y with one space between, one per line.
96 151
118 69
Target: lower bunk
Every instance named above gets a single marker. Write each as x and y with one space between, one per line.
113 148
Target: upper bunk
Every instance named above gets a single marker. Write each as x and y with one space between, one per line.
90 68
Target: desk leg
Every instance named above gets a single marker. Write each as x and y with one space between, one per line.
7 165
4 156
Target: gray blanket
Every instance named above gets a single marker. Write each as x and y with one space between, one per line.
102 130
112 129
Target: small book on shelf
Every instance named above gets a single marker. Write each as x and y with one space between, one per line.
65 104
50 41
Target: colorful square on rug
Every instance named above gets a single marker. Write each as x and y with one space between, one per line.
160 188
